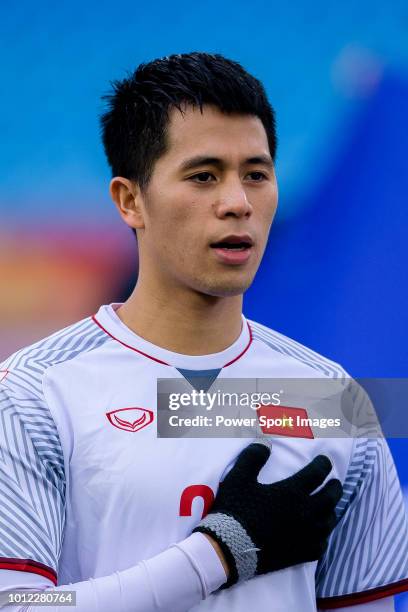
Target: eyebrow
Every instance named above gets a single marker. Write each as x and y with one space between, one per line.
205 160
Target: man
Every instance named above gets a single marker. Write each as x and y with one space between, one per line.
89 493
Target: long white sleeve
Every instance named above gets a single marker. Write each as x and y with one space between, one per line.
172 581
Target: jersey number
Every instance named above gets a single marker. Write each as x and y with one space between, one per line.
190 493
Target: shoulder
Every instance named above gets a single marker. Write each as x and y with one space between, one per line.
29 426
24 370
291 348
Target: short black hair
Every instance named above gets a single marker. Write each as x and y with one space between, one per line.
134 124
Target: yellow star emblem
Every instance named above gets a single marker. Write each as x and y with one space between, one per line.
286 421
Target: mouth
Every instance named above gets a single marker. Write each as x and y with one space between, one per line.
233 249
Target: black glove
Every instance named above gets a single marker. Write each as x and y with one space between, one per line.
266 527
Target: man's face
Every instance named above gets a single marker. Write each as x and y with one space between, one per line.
209 204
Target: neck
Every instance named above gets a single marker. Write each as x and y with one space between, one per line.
189 323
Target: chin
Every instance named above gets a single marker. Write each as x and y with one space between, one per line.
226 289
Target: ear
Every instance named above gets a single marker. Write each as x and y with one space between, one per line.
128 199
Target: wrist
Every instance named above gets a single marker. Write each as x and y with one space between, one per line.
220 554
240 552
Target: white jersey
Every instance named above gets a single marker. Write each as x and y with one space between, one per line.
88 489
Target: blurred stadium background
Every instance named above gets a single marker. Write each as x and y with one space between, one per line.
335 273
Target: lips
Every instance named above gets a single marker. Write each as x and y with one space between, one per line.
233 249
234 242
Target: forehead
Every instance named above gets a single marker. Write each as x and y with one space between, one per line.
213 132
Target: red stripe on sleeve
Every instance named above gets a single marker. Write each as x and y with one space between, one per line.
353 599
28 565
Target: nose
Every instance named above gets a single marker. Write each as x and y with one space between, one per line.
232 201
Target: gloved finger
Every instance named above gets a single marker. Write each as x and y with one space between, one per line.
328 497
317 550
313 474
326 527
249 462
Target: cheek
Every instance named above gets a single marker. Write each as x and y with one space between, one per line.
188 221
178 234
272 213
270 208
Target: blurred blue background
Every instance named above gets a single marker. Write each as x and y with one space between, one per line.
334 275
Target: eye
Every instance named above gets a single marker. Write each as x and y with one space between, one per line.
202 177
257 176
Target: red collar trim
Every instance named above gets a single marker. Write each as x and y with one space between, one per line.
242 352
95 320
